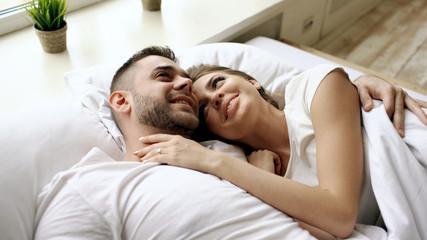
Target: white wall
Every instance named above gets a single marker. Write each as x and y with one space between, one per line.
303 20
309 21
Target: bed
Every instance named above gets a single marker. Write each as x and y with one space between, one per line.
39 142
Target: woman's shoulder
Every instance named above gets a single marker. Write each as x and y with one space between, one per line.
303 86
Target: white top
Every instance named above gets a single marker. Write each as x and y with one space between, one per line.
302 161
298 97
103 199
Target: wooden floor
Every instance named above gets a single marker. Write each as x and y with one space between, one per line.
390 39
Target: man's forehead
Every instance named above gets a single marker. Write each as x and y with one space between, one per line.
153 62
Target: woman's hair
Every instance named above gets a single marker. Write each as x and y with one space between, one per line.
198 71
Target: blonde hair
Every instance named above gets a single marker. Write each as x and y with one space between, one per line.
197 71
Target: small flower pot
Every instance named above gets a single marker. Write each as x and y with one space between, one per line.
151 5
53 41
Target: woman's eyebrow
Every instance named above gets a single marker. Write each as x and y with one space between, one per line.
209 83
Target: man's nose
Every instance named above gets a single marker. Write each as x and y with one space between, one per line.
184 83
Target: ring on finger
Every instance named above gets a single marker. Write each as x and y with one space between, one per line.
159 150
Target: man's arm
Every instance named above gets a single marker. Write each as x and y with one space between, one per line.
393 97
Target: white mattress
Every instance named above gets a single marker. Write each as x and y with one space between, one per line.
306 60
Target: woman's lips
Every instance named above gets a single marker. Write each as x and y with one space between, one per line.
230 107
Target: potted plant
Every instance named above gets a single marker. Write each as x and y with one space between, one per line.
151 5
49 23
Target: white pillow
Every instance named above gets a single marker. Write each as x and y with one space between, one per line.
37 143
91 86
271 71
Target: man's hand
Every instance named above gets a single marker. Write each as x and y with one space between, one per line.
394 100
266 160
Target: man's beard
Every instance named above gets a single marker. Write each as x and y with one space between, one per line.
152 111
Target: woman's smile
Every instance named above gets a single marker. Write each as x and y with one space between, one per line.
231 107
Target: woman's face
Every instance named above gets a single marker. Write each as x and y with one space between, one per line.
227 103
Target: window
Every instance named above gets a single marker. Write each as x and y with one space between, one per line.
7 4
13 16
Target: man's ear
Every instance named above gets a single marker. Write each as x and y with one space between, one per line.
119 101
255 83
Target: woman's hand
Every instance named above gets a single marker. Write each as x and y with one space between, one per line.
266 160
394 100
177 151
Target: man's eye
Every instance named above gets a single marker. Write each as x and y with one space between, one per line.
216 81
162 74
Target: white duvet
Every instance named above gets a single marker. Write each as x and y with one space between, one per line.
398 174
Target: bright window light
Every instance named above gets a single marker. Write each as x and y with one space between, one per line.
13 16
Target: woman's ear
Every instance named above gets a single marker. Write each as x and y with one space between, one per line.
255 83
119 102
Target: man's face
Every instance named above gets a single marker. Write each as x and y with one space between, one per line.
163 96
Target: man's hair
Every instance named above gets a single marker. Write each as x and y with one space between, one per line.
198 71
122 81
123 78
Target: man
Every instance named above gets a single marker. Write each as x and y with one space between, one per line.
103 199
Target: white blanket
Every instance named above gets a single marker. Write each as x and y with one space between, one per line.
398 173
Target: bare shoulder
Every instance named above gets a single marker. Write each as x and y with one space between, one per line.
335 93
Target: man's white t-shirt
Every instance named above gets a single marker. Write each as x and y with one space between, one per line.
100 198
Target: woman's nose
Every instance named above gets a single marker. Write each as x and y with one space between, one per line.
217 99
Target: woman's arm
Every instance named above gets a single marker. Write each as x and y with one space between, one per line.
336 120
270 162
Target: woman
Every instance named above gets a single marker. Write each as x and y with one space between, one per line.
316 143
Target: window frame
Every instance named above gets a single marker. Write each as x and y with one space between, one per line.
16 18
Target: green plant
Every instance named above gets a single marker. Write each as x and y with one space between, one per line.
48 15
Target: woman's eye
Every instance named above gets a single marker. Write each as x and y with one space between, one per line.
216 81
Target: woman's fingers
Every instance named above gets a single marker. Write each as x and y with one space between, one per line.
156 138
150 152
399 112
158 144
415 106
278 165
366 99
